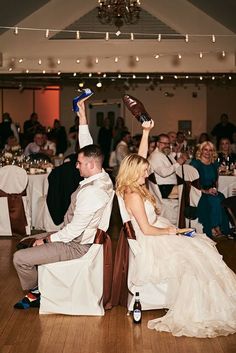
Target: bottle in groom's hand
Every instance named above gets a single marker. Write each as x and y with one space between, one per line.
136 108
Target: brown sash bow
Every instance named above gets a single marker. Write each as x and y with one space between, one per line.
185 197
102 237
119 293
16 212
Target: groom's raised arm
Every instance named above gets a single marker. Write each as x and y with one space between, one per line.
84 135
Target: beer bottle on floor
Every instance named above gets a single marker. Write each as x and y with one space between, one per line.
137 310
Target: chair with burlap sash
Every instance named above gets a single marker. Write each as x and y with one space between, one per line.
81 286
14 204
123 288
189 194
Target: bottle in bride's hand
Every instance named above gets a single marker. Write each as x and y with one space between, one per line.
136 108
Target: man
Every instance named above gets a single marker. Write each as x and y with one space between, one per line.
80 222
164 166
122 148
223 129
41 144
181 143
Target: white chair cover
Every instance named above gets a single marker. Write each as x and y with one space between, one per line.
168 207
13 180
153 296
75 287
190 174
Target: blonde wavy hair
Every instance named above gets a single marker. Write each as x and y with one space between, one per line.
130 171
202 146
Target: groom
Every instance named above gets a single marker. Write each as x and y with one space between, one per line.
80 222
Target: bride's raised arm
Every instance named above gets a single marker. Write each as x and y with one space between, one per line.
143 147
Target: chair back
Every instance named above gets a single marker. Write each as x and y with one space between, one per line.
13 179
190 175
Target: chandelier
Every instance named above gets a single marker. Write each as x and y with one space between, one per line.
118 12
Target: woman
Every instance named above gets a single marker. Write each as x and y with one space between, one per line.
210 212
201 295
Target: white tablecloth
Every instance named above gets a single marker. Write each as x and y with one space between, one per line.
37 187
227 185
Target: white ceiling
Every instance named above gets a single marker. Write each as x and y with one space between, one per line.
200 19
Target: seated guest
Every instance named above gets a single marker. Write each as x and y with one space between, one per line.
80 223
58 135
225 156
12 145
7 128
210 211
172 137
41 145
31 126
181 142
164 165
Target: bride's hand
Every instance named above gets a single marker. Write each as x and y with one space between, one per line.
148 125
171 231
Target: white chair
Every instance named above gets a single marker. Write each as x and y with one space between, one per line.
191 176
14 204
153 296
168 207
76 287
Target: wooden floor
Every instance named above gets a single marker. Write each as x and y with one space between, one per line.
27 332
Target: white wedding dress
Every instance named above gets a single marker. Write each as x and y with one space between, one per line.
201 295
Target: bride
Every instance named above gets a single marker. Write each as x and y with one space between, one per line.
201 295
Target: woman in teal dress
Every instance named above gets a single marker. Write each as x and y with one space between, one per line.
211 214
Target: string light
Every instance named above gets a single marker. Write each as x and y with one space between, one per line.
119 76
223 54
96 60
117 33
200 55
58 61
161 77
116 59
20 60
179 56
134 76
74 74
137 58
104 75
40 62
77 61
157 56
44 72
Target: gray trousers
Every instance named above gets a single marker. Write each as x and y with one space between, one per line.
27 260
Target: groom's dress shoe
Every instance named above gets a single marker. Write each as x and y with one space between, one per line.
84 94
136 108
